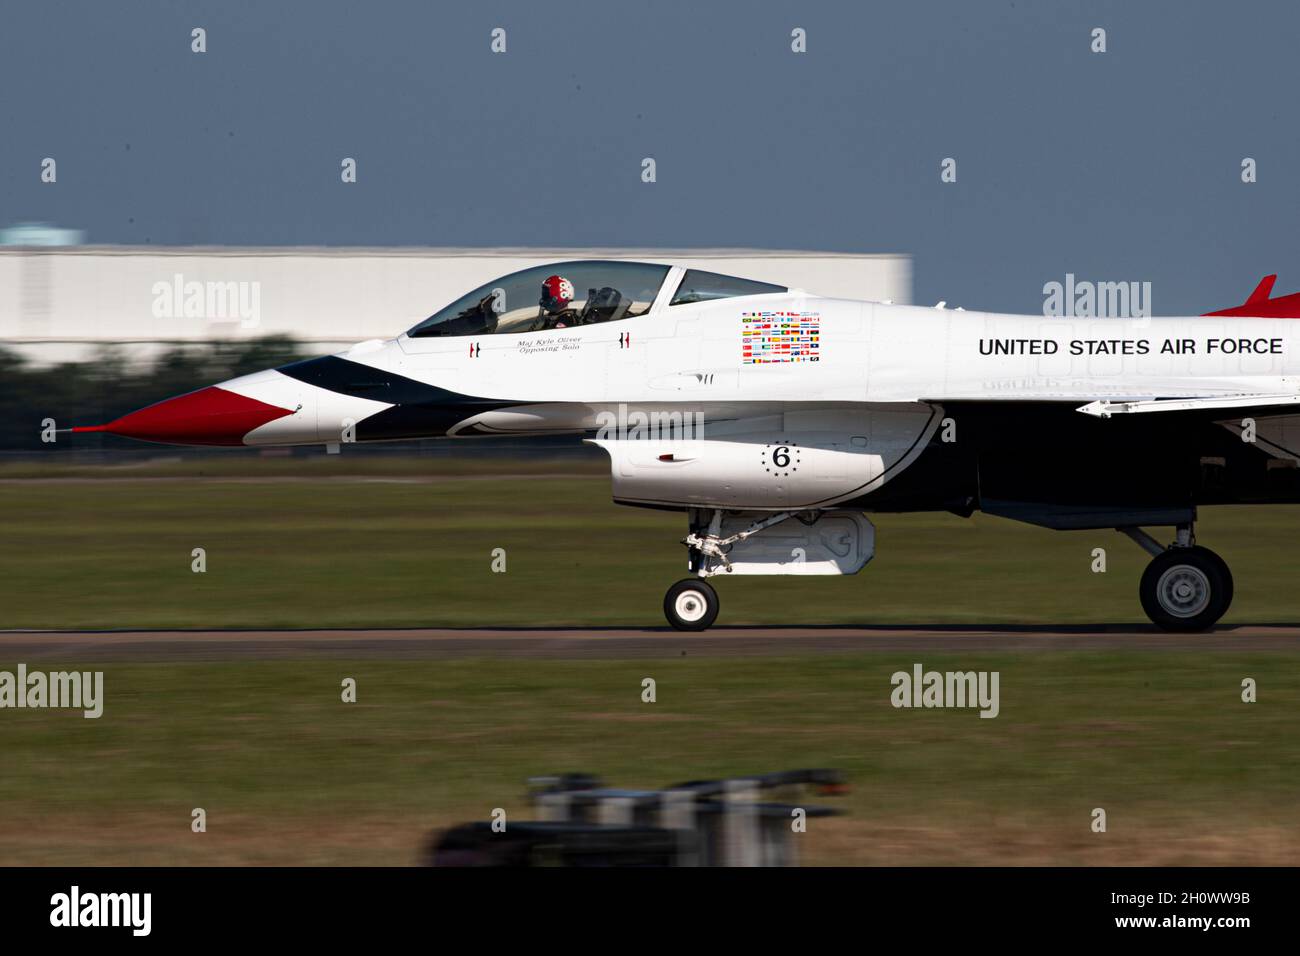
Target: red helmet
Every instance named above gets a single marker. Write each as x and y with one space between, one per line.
557 293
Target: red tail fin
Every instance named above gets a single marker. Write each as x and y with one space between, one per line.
1263 290
1259 305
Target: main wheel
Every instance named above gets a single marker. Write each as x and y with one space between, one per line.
691 605
1186 589
1223 570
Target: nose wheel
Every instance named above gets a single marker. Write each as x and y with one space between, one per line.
691 605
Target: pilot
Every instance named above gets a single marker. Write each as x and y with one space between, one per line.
555 303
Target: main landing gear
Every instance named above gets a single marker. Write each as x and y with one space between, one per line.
1185 587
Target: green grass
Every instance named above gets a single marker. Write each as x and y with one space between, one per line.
289 774
397 550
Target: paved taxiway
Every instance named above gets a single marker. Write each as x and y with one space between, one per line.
620 642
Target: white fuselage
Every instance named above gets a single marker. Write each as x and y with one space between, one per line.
692 357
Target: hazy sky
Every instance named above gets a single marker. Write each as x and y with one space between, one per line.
1124 165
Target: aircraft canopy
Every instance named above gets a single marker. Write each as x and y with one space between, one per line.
570 294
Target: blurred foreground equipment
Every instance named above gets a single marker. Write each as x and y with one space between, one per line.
744 821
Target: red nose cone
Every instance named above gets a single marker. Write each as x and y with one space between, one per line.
210 416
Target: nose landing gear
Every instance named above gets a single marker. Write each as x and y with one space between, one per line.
829 541
1185 587
691 605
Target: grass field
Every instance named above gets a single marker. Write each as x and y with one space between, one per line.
288 774
401 550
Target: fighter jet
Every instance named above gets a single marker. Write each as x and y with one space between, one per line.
774 418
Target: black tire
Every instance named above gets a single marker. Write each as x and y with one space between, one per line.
1186 589
691 605
1225 571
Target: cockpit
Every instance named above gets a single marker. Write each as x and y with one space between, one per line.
574 294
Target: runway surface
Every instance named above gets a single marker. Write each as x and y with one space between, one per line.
598 643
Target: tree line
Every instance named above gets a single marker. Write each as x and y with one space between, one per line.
112 383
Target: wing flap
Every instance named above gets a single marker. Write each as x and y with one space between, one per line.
1105 409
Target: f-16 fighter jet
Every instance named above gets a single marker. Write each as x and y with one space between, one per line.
774 418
